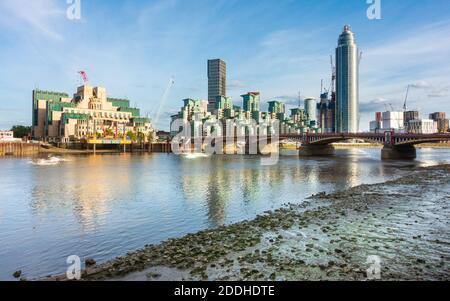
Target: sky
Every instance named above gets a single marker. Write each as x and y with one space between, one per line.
277 47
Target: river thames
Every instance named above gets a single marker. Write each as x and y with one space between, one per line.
106 205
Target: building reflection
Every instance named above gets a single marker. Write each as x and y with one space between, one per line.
85 186
218 187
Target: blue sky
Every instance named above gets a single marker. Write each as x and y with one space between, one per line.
279 48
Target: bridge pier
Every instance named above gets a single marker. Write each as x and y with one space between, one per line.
403 152
316 150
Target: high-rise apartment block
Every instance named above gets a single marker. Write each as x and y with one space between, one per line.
217 81
442 121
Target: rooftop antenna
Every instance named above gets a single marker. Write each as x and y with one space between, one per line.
321 86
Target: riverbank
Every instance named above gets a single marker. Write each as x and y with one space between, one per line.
372 146
65 151
403 222
18 149
52 150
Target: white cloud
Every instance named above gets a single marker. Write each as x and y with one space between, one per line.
377 105
37 16
418 58
421 50
432 90
439 92
235 84
421 85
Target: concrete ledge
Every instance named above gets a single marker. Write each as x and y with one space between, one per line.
407 152
316 150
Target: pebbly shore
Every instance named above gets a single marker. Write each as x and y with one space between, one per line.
404 223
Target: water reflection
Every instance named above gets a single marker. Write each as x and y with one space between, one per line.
103 206
83 188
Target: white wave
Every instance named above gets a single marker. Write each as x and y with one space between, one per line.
48 161
195 155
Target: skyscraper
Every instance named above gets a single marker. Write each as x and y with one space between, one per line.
310 109
347 83
217 81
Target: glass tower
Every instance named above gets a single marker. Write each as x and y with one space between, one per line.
347 83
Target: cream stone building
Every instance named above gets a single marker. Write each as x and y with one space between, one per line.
7 136
89 114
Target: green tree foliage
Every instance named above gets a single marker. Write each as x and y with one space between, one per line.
109 132
131 135
21 131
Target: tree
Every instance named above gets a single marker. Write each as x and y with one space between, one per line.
21 131
131 135
109 133
141 137
151 136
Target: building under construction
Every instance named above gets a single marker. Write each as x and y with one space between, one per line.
327 113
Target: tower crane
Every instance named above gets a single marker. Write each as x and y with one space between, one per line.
406 98
164 98
333 74
299 100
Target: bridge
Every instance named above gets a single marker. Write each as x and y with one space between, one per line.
396 146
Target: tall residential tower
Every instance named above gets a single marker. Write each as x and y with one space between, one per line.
217 81
347 83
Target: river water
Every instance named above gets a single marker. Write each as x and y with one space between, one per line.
106 205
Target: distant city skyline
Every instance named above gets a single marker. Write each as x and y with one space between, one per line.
135 59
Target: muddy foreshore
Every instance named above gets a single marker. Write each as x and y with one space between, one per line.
405 222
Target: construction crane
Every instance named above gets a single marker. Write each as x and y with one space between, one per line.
333 74
299 100
84 76
164 98
406 98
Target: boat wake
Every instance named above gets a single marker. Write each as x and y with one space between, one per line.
195 155
47 161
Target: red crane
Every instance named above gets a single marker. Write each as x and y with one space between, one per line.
84 76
